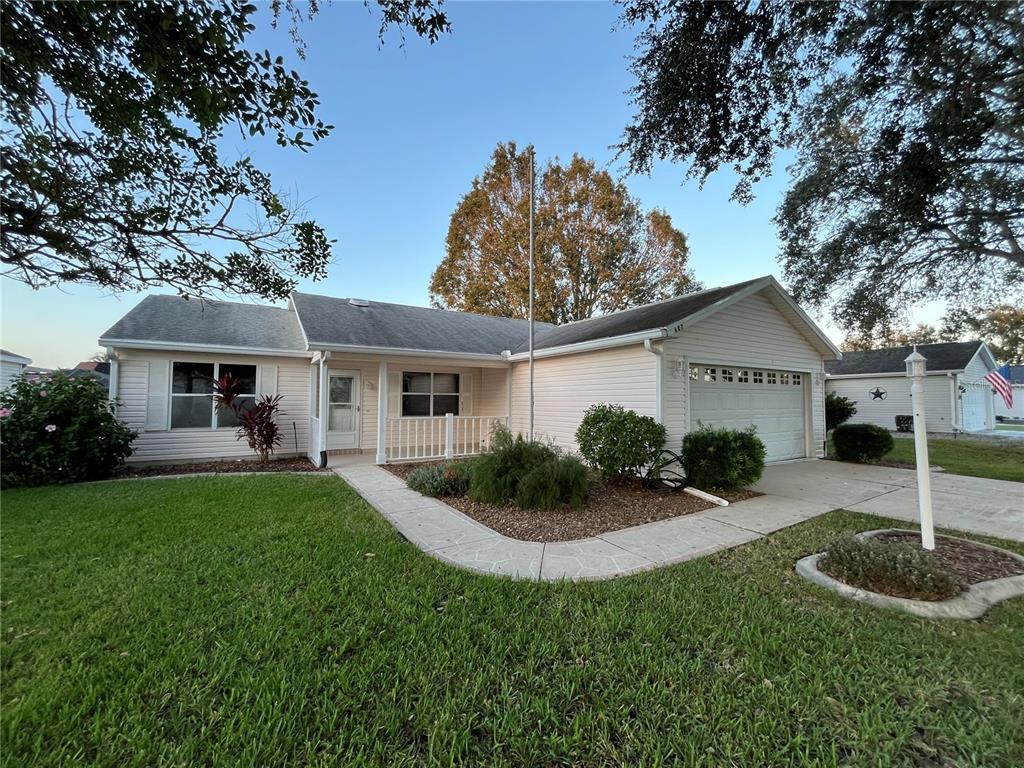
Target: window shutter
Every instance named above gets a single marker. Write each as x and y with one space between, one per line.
394 394
158 395
267 384
465 394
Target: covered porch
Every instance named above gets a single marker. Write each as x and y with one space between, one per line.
388 408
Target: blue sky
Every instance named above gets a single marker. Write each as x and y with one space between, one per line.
414 125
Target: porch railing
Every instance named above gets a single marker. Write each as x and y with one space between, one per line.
438 437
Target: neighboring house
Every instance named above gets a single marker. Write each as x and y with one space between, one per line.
11 367
957 397
1016 379
404 382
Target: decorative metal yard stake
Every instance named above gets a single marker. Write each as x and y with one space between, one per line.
916 366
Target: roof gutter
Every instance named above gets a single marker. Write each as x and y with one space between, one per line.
886 374
182 346
595 344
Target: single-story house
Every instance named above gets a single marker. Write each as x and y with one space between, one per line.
957 397
402 382
11 367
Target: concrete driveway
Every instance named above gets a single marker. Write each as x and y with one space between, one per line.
991 507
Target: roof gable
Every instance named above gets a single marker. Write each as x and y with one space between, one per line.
946 356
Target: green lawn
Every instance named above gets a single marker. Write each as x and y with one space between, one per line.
280 621
1011 427
968 456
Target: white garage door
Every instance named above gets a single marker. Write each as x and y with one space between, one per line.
773 401
973 403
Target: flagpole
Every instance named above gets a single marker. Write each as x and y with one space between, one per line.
531 292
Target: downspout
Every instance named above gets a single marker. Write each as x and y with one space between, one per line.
113 386
659 376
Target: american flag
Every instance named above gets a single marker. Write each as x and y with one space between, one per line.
1002 386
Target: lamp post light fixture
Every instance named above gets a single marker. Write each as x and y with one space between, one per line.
916 369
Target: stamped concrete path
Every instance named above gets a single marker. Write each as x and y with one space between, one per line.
793 493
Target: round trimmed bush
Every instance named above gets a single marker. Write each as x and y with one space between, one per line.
60 430
723 458
619 443
861 442
555 484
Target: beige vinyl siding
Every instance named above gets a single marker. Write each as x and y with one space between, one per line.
288 377
937 402
751 333
492 392
565 386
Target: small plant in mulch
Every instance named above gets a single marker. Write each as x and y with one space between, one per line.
257 421
437 480
897 568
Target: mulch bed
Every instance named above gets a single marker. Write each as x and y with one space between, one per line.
969 562
221 467
609 507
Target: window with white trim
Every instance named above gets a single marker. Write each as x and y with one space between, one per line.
759 377
743 377
709 375
430 394
726 374
783 378
771 377
796 379
192 405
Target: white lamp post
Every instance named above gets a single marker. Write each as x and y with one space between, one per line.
916 366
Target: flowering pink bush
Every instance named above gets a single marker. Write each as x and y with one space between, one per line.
59 430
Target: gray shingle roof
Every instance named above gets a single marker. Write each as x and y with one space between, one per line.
947 356
336 322
174 319
648 317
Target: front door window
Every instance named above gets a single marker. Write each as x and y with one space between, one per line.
340 404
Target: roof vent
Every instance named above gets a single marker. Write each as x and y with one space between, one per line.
359 302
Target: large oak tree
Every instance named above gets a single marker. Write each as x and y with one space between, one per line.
907 120
112 121
596 249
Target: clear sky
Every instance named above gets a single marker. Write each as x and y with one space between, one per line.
414 125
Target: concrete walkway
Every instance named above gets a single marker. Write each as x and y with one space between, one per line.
449 535
792 493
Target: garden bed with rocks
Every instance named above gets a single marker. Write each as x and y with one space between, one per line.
608 507
300 464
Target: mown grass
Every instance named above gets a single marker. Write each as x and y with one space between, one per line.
280 621
967 456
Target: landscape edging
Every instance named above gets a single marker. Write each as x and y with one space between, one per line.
972 604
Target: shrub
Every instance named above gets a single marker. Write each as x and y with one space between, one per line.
617 442
861 442
893 568
723 458
838 409
448 479
257 424
904 423
557 483
60 430
499 470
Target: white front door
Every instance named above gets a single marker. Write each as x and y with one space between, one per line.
343 409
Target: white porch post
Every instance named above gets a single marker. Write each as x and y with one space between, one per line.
382 411
449 435
916 371
324 396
